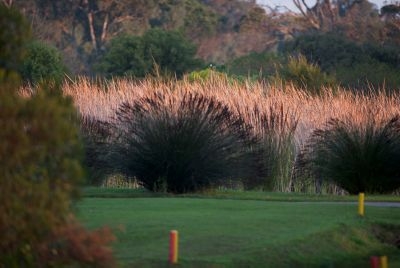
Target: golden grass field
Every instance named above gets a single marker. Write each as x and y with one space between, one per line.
283 110
286 108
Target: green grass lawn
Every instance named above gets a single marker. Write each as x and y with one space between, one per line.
241 232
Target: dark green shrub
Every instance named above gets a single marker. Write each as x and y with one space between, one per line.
171 51
260 65
370 76
42 62
14 33
327 50
40 169
157 50
357 158
125 56
183 145
358 66
305 75
40 155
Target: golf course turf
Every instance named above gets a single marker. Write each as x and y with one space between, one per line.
215 232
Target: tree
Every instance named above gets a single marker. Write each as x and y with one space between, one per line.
354 65
324 15
390 14
137 56
40 156
171 51
43 62
40 172
14 32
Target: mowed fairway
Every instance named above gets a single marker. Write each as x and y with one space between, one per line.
226 233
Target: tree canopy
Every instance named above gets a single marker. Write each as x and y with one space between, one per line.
157 50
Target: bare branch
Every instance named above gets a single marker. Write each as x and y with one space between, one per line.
91 28
104 31
307 12
8 3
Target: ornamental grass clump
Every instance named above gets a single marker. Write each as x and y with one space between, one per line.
277 128
357 157
97 138
183 144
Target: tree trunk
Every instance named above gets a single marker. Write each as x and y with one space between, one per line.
8 3
104 31
91 28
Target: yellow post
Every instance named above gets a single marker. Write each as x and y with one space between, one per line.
361 204
173 247
383 260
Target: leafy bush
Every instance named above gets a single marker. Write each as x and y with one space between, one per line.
40 157
357 158
183 145
372 75
137 56
305 75
260 65
205 74
14 34
43 62
358 66
72 245
125 56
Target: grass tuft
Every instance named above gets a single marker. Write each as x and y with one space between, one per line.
358 158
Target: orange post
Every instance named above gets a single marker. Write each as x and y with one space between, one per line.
173 247
374 262
361 204
383 262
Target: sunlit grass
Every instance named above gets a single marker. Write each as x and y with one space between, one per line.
289 114
230 232
100 99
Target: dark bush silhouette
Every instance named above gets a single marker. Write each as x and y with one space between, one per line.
357 158
183 145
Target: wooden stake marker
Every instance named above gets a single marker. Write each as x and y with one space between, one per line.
173 247
374 262
383 261
361 210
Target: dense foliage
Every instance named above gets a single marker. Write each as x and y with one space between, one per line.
156 51
42 62
354 65
358 158
40 155
258 65
13 35
305 75
39 171
40 174
223 31
183 145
